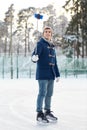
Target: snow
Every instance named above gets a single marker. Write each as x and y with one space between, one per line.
18 104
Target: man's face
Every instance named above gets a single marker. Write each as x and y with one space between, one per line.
47 34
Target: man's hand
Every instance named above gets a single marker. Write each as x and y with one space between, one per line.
57 79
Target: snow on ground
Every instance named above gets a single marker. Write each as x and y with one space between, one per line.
18 104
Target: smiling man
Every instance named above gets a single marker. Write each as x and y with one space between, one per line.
46 72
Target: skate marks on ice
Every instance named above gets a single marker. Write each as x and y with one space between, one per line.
25 114
17 107
26 117
17 112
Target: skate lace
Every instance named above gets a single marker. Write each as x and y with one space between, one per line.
43 116
50 113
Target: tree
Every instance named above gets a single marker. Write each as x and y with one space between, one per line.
25 24
3 36
9 21
58 24
78 23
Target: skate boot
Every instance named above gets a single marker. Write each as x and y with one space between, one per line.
49 115
41 117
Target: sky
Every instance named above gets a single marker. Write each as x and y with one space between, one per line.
20 4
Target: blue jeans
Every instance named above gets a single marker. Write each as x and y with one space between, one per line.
45 94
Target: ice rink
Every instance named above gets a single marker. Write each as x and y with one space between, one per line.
18 104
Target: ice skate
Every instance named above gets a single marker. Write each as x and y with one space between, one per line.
41 118
49 115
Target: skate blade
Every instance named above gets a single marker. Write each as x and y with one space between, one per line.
52 121
42 123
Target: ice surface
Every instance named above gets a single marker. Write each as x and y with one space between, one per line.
18 104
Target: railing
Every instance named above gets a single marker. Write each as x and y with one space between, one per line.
23 67
75 73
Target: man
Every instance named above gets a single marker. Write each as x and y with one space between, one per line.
46 72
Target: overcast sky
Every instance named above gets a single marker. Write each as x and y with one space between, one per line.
20 4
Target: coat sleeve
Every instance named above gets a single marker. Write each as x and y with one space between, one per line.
56 68
38 49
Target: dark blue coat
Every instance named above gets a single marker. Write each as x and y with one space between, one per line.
47 64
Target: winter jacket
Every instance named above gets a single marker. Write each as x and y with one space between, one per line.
47 68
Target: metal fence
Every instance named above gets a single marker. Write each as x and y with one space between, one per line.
19 66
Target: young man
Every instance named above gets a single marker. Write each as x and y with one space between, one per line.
47 70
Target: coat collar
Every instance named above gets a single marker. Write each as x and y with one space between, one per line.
46 41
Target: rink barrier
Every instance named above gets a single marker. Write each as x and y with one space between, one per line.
22 67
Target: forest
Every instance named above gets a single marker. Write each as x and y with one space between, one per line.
18 33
